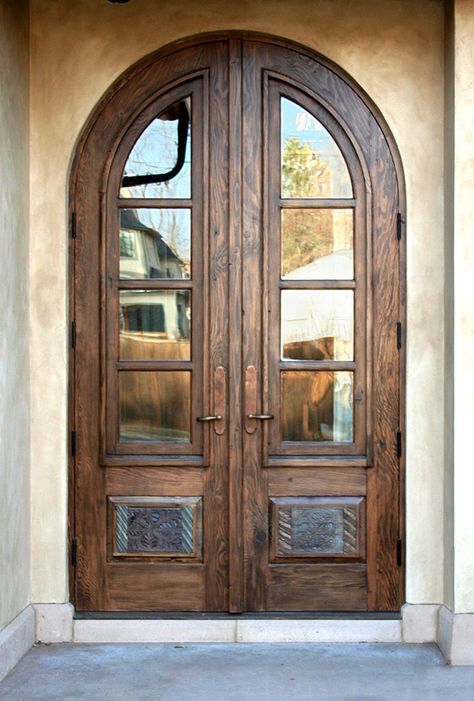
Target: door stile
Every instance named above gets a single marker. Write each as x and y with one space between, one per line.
89 481
215 477
383 480
236 554
255 520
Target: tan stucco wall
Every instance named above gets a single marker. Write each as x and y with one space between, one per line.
463 513
14 378
394 49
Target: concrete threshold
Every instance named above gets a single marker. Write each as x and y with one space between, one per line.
237 630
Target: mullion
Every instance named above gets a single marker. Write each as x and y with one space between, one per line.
149 365
317 284
311 203
305 365
155 284
162 203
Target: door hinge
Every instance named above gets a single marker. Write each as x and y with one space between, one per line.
399 444
399 334
73 225
73 444
399 552
73 552
73 334
400 222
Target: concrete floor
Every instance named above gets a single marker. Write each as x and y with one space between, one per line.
237 672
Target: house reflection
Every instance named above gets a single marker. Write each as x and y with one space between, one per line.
318 325
155 325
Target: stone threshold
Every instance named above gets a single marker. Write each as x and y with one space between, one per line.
60 623
297 630
268 615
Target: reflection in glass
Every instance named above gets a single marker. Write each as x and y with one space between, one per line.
159 164
317 324
317 244
155 243
155 324
155 406
317 406
311 163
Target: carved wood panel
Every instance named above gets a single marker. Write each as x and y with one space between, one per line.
156 527
318 527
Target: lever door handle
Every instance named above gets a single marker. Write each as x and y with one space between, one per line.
211 417
262 417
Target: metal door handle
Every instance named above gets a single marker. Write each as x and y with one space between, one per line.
262 417
212 417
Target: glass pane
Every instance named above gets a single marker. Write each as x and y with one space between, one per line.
155 243
311 163
155 324
159 164
317 324
317 406
317 244
155 406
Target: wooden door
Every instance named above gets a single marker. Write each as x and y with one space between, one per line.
236 395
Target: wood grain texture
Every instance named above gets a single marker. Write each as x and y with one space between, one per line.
175 586
324 481
135 481
255 516
311 587
236 81
235 393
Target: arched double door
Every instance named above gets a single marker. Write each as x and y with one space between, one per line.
236 393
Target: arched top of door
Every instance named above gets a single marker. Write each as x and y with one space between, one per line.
312 73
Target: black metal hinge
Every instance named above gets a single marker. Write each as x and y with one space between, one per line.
73 552
73 334
400 222
399 444
73 444
73 225
399 334
399 552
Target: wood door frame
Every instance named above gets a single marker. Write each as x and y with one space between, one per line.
235 232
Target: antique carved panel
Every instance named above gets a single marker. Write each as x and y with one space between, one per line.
315 527
156 526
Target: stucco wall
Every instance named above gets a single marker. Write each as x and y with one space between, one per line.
463 513
394 49
14 378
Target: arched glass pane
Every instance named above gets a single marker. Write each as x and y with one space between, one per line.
159 164
311 162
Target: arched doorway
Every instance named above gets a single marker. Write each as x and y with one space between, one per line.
237 394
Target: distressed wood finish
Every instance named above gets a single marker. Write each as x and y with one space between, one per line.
105 467
239 466
325 481
310 587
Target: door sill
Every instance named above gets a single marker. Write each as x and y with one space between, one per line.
187 628
249 616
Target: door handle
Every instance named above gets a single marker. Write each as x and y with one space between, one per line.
219 391
251 399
